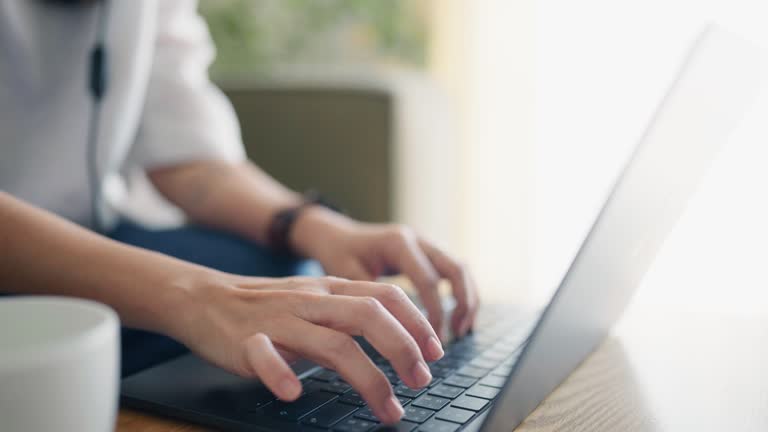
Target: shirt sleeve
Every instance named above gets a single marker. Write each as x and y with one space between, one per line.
185 116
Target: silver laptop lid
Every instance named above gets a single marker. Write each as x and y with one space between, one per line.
714 88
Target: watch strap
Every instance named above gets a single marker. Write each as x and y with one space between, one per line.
279 234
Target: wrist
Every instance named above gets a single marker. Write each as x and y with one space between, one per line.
180 301
315 228
315 214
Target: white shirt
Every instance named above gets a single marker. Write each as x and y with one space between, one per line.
160 107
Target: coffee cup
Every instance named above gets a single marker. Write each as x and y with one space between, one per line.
59 365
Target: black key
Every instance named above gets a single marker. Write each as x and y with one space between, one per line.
455 415
460 381
417 415
484 392
470 403
502 371
328 415
440 371
493 381
354 425
483 363
466 343
337 387
501 350
391 376
352 399
471 371
435 381
300 407
436 425
394 379
380 360
448 362
463 355
446 391
403 400
403 390
309 385
465 348
431 402
325 375
366 414
401 426
253 400
368 348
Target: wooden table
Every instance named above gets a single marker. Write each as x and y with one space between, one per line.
660 370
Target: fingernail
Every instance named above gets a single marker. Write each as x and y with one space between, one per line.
420 374
434 349
290 388
393 409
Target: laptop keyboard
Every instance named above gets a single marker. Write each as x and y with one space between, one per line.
464 384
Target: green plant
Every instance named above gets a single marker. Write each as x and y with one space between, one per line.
252 36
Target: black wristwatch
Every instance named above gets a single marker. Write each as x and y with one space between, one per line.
279 233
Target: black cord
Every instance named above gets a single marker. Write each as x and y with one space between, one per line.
98 75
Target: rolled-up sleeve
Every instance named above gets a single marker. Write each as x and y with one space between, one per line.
185 117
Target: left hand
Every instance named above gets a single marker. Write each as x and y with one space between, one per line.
362 251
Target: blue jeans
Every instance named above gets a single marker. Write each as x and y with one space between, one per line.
212 248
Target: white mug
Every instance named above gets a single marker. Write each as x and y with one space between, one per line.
58 365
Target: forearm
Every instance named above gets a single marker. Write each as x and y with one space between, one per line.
44 254
238 197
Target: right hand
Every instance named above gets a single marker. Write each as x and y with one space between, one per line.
255 326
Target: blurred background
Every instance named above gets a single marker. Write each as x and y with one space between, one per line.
496 127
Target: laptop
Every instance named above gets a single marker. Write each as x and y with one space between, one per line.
494 378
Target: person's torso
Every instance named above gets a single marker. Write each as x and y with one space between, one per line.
45 104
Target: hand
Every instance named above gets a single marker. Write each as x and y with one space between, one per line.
362 251
255 326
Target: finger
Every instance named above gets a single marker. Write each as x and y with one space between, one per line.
411 260
300 283
367 317
335 350
401 307
462 286
268 365
288 356
353 269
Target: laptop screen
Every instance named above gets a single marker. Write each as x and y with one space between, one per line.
713 90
